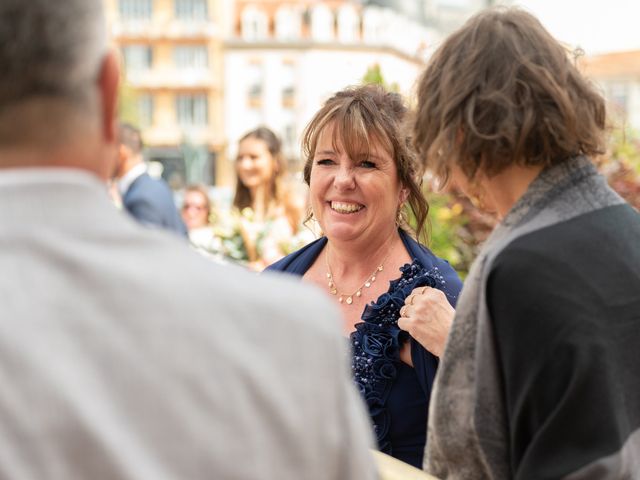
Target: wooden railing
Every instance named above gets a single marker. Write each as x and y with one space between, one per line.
390 468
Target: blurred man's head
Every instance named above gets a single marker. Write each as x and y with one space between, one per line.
130 146
130 138
58 84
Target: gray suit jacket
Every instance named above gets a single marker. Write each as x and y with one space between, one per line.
124 355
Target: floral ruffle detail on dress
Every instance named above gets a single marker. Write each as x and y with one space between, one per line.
376 344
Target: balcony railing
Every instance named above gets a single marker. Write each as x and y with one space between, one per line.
175 135
170 29
172 78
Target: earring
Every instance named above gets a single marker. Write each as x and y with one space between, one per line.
309 214
312 224
400 217
476 195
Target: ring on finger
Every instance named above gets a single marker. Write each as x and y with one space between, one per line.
424 289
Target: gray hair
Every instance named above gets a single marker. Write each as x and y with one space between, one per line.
50 49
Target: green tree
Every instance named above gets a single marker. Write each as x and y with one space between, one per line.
374 76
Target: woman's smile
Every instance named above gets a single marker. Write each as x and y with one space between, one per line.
345 207
354 195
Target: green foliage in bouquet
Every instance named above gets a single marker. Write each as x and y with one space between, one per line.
241 239
228 230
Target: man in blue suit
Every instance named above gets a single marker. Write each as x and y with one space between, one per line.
148 200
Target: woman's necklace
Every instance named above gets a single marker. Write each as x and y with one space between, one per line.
348 298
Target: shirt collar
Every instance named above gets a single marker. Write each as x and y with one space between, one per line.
131 176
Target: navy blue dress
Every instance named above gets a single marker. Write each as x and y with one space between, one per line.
396 394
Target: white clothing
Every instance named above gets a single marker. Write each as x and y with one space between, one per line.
126 355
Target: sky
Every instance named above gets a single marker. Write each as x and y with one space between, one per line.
595 26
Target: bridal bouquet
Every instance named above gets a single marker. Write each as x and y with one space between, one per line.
242 239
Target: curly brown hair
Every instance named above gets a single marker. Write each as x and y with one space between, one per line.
500 91
359 114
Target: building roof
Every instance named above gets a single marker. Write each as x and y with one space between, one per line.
612 65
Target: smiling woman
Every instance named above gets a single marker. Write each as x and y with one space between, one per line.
362 176
347 213
269 216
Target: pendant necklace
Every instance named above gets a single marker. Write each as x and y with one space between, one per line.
348 298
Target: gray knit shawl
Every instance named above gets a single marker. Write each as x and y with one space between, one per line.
468 434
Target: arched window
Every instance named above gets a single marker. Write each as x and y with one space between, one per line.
348 23
321 23
288 23
254 24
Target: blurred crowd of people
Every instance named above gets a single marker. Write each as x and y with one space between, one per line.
264 223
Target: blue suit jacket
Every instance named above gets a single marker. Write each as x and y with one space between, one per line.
150 201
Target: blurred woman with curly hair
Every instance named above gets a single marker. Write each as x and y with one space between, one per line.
539 375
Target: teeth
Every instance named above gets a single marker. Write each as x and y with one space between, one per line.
343 207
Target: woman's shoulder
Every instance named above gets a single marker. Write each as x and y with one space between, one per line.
299 261
425 256
449 281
